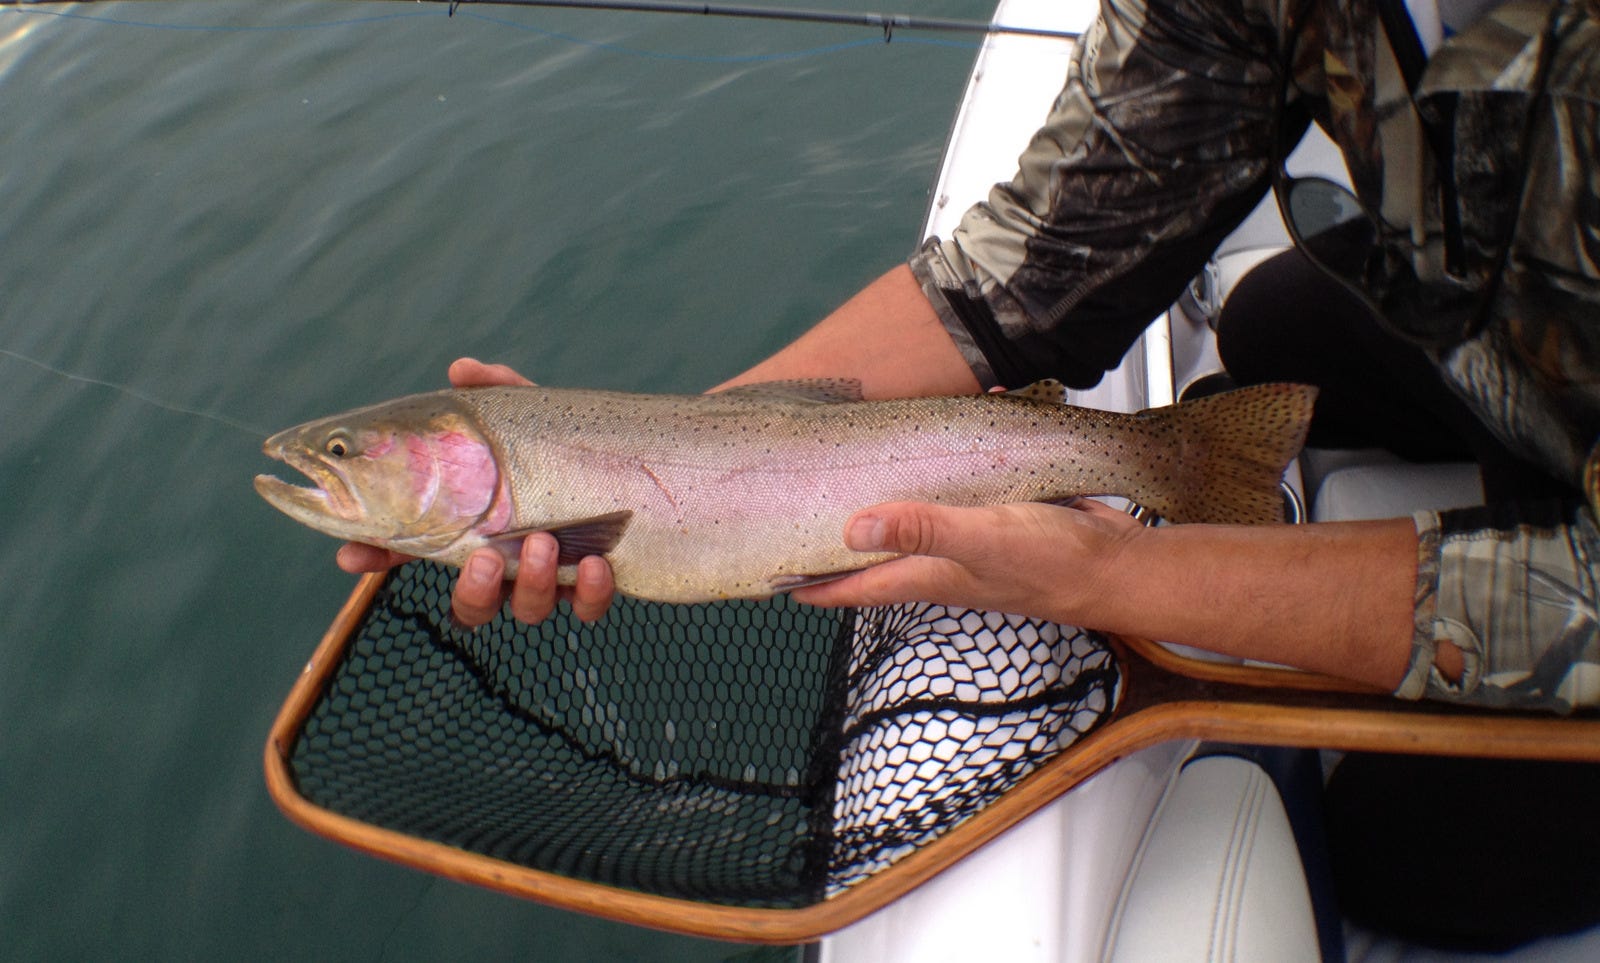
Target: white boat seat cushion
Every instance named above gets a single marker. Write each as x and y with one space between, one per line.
1218 876
1379 486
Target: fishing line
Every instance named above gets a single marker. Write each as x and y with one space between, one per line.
886 23
28 7
235 424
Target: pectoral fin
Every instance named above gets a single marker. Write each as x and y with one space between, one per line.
576 539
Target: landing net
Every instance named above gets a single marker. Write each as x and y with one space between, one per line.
755 754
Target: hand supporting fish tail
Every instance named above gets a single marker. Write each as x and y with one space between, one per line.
1031 558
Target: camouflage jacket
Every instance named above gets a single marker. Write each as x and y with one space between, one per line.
1163 141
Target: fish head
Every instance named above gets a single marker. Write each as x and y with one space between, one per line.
413 475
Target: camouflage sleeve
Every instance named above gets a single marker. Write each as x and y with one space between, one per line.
1157 147
1514 589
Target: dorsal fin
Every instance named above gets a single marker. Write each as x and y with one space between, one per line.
1048 391
825 391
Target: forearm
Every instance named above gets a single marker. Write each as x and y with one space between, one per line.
887 336
1330 598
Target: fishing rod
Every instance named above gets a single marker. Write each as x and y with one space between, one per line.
887 22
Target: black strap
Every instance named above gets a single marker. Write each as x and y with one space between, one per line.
1404 41
1439 129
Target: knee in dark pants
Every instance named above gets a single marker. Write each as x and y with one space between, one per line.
1287 321
1246 334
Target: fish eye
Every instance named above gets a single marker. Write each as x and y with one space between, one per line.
338 445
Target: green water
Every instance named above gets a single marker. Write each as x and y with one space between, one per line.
292 216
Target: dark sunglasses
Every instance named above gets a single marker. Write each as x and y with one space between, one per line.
1375 263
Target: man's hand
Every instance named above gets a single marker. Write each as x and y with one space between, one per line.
481 589
1039 560
1335 598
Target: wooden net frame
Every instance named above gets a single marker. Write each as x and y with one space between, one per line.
1163 697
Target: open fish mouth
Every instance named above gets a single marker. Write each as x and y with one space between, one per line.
327 496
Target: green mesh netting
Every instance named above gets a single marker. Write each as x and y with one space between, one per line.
760 754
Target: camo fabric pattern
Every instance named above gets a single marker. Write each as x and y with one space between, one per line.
1163 141
1532 642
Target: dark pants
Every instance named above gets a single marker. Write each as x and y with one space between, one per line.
1480 854
1286 321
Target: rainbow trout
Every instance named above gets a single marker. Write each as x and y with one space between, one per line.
746 493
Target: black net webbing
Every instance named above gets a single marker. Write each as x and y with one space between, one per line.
760 754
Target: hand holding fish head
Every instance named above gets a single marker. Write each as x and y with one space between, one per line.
482 589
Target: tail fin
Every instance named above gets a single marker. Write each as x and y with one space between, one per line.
1232 450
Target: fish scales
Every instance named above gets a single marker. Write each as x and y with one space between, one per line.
732 495
747 492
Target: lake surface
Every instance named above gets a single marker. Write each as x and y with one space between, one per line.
247 214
